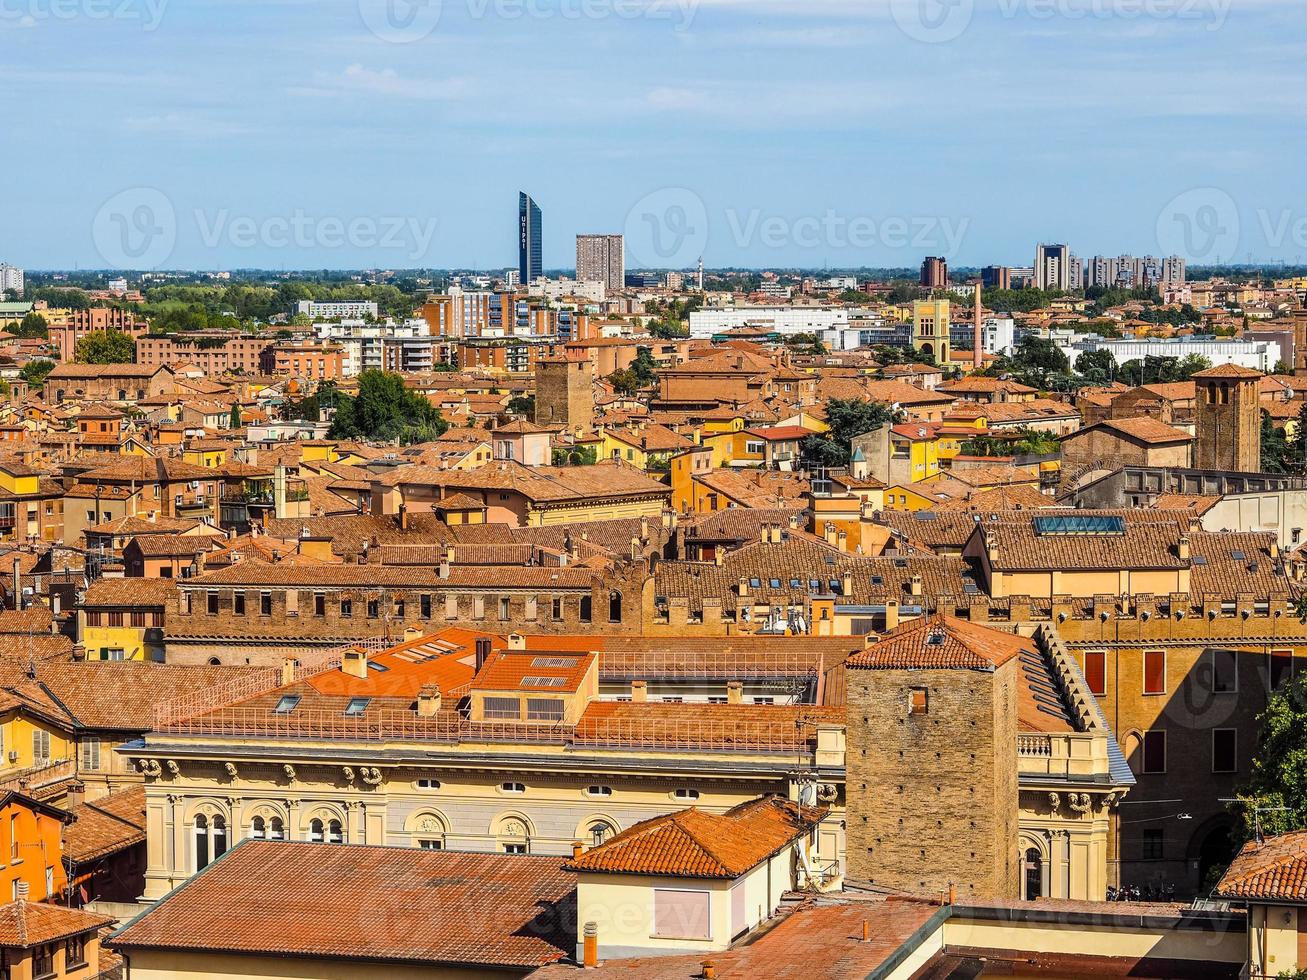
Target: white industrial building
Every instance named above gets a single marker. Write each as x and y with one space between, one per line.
1260 355
337 310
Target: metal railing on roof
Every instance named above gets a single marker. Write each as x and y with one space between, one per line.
258 682
780 735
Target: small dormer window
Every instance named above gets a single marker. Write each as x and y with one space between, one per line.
287 704
685 795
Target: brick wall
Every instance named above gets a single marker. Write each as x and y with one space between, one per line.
932 798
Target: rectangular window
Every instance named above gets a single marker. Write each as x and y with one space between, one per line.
319 604
1154 671
346 608
681 914
1225 671
74 952
503 709
1154 752
425 603
505 608
138 618
1224 745
1096 671
116 618
265 603
1281 668
556 609
374 608
213 603
90 753
43 960
918 701
41 746
238 604
1152 845
544 709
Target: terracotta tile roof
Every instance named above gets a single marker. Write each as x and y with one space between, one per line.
825 931
130 592
107 826
1149 539
169 545
1274 870
1197 503
1228 371
695 844
106 695
24 924
764 728
510 670
353 902
1145 429
940 642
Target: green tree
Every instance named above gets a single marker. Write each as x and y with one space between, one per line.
575 456
34 326
235 416
644 367
34 372
1275 448
105 347
385 411
524 405
848 418
624 381
1275 795
1096 366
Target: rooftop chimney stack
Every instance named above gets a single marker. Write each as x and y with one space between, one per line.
482 652
355 663
428 701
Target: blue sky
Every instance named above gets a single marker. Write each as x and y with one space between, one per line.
345 133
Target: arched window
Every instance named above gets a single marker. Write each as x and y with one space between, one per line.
219 837
258 829
614 607
201 842
514 836
215 662
429 832
315 831
335 832
600 831
276 830
1033 867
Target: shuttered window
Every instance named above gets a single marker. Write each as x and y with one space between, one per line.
681 914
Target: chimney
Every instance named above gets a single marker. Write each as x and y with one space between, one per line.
644 527
639 692
482 652
403 517
744 588
916 585
830 533
355 663
842 540
412 633
288 665
590 946
516 641
577 849
1184 547
443 571
709 970
734 692
23 889
846 586
18 582
428 701
891 615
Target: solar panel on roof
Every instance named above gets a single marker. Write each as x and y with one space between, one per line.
553 662
1079 524
544 681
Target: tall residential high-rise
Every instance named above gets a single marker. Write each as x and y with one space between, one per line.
601 258
1133 272
11 277
934 272
529 248
1056 267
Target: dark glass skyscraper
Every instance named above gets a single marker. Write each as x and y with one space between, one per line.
529 265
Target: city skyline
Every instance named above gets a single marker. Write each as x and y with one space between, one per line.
231 136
